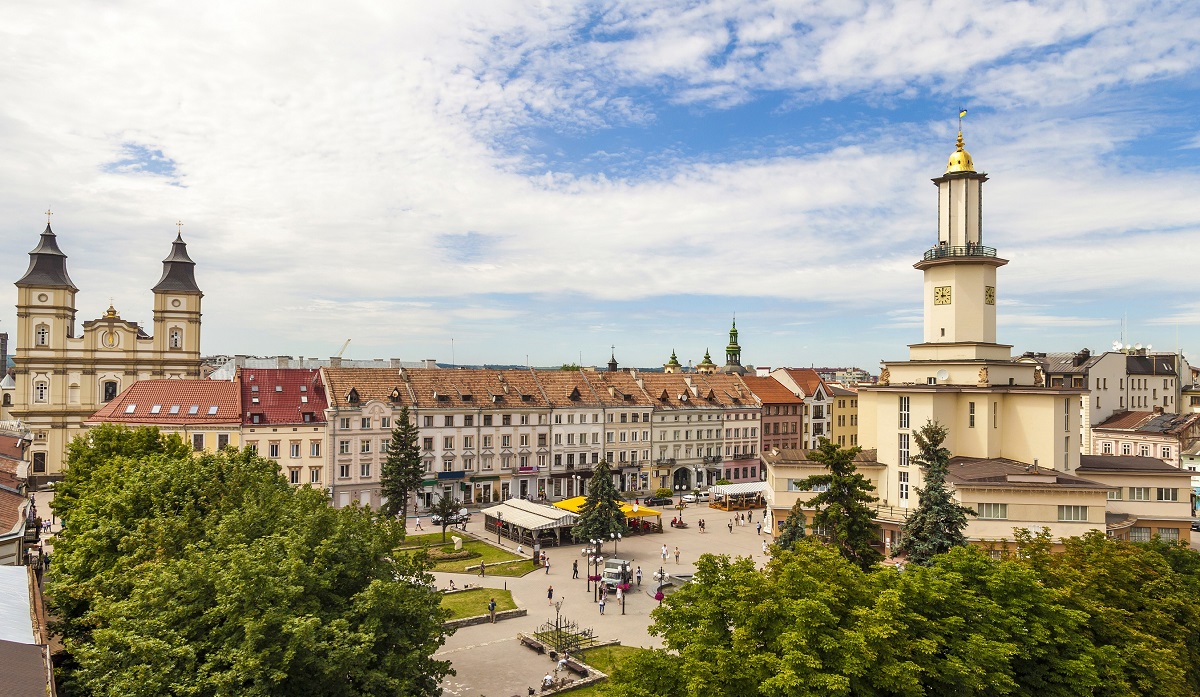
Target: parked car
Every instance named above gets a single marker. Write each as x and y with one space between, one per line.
698 497
1196 525
654 501
462 516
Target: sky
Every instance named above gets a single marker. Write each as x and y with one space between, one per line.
505 182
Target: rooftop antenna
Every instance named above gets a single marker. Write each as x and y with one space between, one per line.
452 361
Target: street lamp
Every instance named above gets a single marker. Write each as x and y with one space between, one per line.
589 551
624 584
616 537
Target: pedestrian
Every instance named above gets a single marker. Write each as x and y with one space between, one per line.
547 681
731 526
575 569
749 516
546 563
520 549
452 585
639 575
602 604
550 595
664 552
492 610
419 523
676 554
758 528
764 546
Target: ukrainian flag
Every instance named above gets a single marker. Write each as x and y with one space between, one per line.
962 113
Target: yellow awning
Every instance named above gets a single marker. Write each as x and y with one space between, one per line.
574 505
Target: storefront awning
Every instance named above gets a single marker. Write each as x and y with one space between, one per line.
486 478
631 510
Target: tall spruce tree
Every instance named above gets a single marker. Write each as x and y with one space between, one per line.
402 470
938 523
843 504
792 531
601 516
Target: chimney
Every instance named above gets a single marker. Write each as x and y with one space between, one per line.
394 363
335 361
1158 410
429 363
282 361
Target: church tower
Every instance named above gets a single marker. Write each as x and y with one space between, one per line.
960 272
733 353
45 298
177 304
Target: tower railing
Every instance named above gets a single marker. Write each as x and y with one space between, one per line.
971 250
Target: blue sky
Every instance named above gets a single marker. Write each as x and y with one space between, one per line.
547 180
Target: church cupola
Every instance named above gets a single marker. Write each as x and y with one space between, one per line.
612 361
179 271
733 352
47 265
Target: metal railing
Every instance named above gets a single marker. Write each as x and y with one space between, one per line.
971 250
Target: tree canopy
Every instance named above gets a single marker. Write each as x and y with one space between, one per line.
1105 617
938 522
792 531
402 470
208 574
843 504
601 515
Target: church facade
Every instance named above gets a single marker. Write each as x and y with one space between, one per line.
65 372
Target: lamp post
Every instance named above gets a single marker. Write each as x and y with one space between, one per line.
589 551
624 584
599 561
616 537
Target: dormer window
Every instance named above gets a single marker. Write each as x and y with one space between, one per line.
41 335
352 396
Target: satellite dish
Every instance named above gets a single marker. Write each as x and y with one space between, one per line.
943 374
1149 347
1116 346
1138 346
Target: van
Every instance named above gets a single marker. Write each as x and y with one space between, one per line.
616 571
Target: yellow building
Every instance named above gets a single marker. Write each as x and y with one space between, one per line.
843 415
205 413
64 373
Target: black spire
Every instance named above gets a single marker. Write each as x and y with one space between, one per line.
179 271
47 264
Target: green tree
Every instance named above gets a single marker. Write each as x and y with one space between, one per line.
792 531
843 504
403 469
209 575
937 525
445 509
570 367
601 515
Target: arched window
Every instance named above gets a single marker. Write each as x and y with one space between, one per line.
8 400
41 391
176 338
41 335
110 390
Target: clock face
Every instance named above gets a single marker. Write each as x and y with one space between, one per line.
941 295
989 295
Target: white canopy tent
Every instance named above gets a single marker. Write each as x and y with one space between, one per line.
528 522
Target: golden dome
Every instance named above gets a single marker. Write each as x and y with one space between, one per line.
960 160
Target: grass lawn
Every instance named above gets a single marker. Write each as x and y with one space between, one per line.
506 563
432 539
474 602
606 658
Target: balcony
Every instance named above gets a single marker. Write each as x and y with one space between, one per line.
971 250
665 461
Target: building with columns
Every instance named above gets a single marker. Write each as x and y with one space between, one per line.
65 372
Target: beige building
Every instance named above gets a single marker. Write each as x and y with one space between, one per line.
65 372
1146 497
283 418
1147 434
843 415
204 413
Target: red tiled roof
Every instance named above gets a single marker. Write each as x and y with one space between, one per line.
10 448
173 402
770 391
806 378
10 509
281 395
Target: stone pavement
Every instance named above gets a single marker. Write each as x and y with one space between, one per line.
488 658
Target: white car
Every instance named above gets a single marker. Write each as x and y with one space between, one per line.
462 516
696 497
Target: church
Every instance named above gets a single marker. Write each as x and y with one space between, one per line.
65 372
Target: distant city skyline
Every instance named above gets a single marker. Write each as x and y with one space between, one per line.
506 182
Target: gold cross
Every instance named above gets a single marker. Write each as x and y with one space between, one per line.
48 214
179 227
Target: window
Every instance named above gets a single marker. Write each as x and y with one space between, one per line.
197 441
468 463
1169 534
314 448
449 420
385 446
110 390
1114 494
970 414
999 511
364 446
41 393
252 446
1106 447
1168 494
541 440
273 450
1139 493
1139 534
344 423
39 463
506 420
904 486
904 411
1067 413
385 422
212 410
469 420
448 443
903 449
506 441
1127 448
995 414
343 447
524 440
524 419
176 338
41 335
468 442
427 422
294 475
1073 513
487 441
487 419
222 441
364 422
294 449
427 444
314 475
364 470
1166 451
486 461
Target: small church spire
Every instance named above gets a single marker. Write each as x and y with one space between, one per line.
179 271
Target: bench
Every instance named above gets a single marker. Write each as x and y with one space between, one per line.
533 644
576 668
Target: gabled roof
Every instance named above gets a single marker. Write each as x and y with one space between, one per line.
618 389
566 388
1128 464
10 448
1149 422
1156 365
173 402
770 391
281 395
806 379
999 472
388 385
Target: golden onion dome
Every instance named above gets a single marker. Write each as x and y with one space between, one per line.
960 160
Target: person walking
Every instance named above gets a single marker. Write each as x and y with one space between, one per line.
601 603
575 569
492 610
546 563
758 528
764 546
550 595
664 552
419 523
638 575
731 526
677 554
